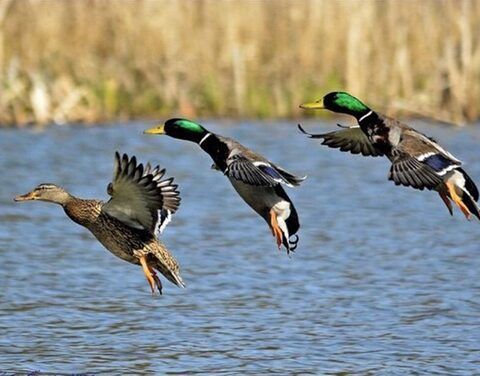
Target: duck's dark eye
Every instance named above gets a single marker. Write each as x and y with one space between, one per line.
110 189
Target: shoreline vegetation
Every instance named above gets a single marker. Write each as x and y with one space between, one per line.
101 60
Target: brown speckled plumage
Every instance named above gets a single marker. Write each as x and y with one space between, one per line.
141 205
123 241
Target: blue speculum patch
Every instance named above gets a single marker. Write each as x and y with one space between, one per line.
438 162
270 171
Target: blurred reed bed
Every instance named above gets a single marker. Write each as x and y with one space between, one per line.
100 60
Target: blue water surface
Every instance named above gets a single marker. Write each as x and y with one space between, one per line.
384 281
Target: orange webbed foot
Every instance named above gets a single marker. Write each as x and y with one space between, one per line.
276 231
151 276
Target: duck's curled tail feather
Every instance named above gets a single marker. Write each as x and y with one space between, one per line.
470 193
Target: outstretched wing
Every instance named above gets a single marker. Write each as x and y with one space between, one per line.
350 139
259 172
140 198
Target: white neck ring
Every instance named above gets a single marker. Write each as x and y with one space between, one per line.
204 138
365 116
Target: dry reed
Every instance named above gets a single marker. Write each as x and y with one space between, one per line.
94 60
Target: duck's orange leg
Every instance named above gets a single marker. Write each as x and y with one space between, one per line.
457 200
276 231
152 277
444 197
157 280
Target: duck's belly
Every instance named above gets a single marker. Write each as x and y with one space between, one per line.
120 250
122 243
261 199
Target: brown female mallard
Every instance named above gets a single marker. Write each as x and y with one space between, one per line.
141 205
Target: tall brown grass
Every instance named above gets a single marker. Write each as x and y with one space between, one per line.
95 60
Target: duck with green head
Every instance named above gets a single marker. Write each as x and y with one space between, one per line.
257 180
418 161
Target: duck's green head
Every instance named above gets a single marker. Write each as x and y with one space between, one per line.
339 101
183 129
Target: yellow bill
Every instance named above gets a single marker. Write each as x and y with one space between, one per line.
313 105
158 129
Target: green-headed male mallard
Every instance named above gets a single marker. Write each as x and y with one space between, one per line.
257 180
141 204
417 160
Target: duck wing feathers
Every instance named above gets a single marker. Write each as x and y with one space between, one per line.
139 196
253 169
418 161
408 171
351 139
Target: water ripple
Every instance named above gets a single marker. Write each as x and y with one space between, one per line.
384 281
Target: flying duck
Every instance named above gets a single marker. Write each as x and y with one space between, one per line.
417 160
257 180
141 205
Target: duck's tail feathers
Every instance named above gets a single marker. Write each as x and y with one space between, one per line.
291 243
174 277
290 239
466 190
292 221
168 266
290 225
469 185
471 204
